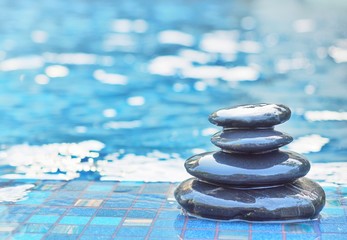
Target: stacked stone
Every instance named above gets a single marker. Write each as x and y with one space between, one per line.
250 178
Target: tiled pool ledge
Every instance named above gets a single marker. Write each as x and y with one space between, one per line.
137 210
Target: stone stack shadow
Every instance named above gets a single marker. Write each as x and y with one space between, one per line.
250 179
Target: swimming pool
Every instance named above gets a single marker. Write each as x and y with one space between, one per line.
101 103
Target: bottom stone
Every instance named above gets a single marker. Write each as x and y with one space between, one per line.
300 200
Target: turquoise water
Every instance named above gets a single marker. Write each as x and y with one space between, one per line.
121 90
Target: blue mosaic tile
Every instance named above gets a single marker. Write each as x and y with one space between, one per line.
333 219
122 196
164 233
142 213
152 197
170 214
100 230
61 236
75 186
198 223
107 212
326 236
236 226
156 188
299 228
303 236
239 235
268 227
20 209
33 201
127 189
117 204
193 234
334 228
13 218
96 237
26 236
132 232
114 221
100 188
66 195
67 229
147 204
60 202
43 219
81 211
167 223
333 211
267 236
94 195
35 228
51 210
74 220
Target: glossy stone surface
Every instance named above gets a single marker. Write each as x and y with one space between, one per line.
300 200
251 116
278 167
250 141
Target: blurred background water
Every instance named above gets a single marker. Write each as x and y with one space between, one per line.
121 90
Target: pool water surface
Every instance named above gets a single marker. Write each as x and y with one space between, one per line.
102 101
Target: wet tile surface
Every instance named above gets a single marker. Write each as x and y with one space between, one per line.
136 217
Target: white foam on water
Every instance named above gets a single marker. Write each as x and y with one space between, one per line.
22 63
76 58
329 172
119 42
325 116
123 124
81 129
168 65
128 25
109 113
220 42
309 143
203 72
200 86
41 79
153 167
110 78
56 71
250 47
136 101
43 162
298 62
176 37
195 56
140 26
245 73
339 54
122 25
15 193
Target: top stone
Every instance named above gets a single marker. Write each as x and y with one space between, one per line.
260 115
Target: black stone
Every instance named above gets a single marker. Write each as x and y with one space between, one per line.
250 141
240 170
301 200
261 115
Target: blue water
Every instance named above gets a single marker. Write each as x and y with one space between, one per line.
142 76
93 91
